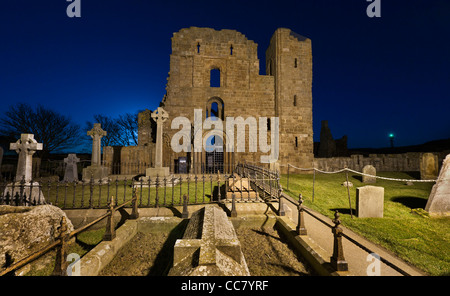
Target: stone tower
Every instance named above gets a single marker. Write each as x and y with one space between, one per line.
218 74
289 60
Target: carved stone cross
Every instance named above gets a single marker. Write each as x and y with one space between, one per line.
214 239
26 146
97 133
160 116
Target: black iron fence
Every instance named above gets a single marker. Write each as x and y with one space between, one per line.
247 182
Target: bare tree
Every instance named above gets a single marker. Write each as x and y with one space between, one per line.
128 124
121 131
55 131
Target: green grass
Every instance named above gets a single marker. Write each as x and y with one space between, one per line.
84 242
410 233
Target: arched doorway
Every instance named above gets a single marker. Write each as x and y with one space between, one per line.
214 155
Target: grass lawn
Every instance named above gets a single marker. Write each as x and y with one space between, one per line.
84 242
405 228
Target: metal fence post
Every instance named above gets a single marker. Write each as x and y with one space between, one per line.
281 210
288 177
301 228
337 260
110 232
185 213
233 206
134 206
61 263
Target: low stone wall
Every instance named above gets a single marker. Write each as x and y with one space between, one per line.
406 162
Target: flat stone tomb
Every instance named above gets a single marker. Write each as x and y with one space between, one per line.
209 247
241 188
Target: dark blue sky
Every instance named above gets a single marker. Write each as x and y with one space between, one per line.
371 76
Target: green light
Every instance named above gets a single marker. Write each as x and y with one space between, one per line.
391 135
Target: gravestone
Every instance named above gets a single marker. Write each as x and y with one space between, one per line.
429 167
28 192
439 200
96 170
370 170
369 202
71 172
209 247
160 116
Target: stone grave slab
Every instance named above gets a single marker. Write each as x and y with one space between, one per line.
209 247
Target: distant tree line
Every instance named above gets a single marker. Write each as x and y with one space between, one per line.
57 132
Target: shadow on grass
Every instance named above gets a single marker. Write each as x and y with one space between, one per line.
411 201
356 177
164 259
344 211
415 175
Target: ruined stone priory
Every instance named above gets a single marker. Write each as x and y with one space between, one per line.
218 72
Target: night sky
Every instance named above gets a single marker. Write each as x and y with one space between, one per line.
371 76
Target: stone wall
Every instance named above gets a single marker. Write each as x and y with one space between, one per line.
382 162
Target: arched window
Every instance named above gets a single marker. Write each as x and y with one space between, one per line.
198 47
295 100
231 49
214 78
296 142
295 63
215 108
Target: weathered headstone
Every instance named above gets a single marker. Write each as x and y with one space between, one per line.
160 116
429 167
439 199
209 247
370 202
71 172
23 190
370 170
96 170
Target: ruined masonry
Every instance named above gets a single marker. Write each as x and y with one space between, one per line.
219 73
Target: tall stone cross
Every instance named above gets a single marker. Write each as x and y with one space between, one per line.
26 146
96 134
160 116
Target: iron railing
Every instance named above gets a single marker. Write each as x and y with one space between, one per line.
157 191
